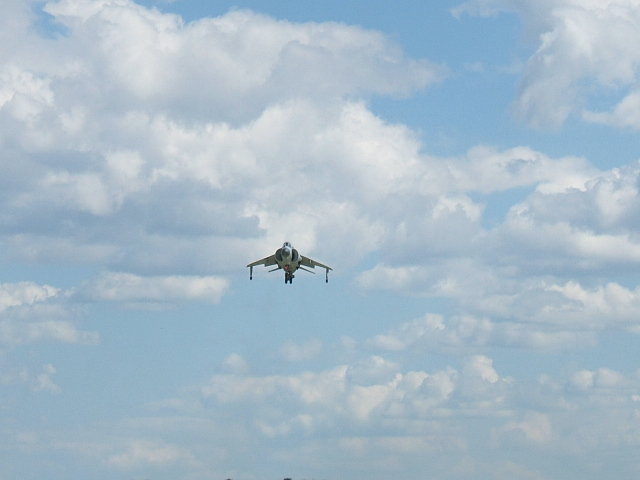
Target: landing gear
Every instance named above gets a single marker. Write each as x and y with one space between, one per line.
288 277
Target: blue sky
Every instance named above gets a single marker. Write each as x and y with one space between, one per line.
469 170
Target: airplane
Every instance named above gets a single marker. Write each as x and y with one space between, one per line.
288 259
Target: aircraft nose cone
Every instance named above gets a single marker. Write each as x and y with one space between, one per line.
286 252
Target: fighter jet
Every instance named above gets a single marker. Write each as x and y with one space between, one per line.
288 259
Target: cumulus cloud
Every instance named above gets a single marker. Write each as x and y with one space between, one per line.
44 382
622 115
534 280
232 66
371 392
535 427
124 287
376 410
605 202
143 188
150 137
582 46
579 230
350 400
15 294
538 314
37 313
460 334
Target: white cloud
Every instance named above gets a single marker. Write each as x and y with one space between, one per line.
486 169
578 229
482 7
44 381
25 95
234 65
236 363
608 304
604 379
535 427
532 330
605 200
47 330
581 45
622 115
37 313
169 186
306 351
482 367
371 392
442 219
420 403
410 333
139 189
547 316
15 294
125 287
144 454
389 417
167 140
577 225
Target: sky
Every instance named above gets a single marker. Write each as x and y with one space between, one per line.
469 169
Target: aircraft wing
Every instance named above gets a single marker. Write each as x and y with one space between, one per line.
266 261
308 262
